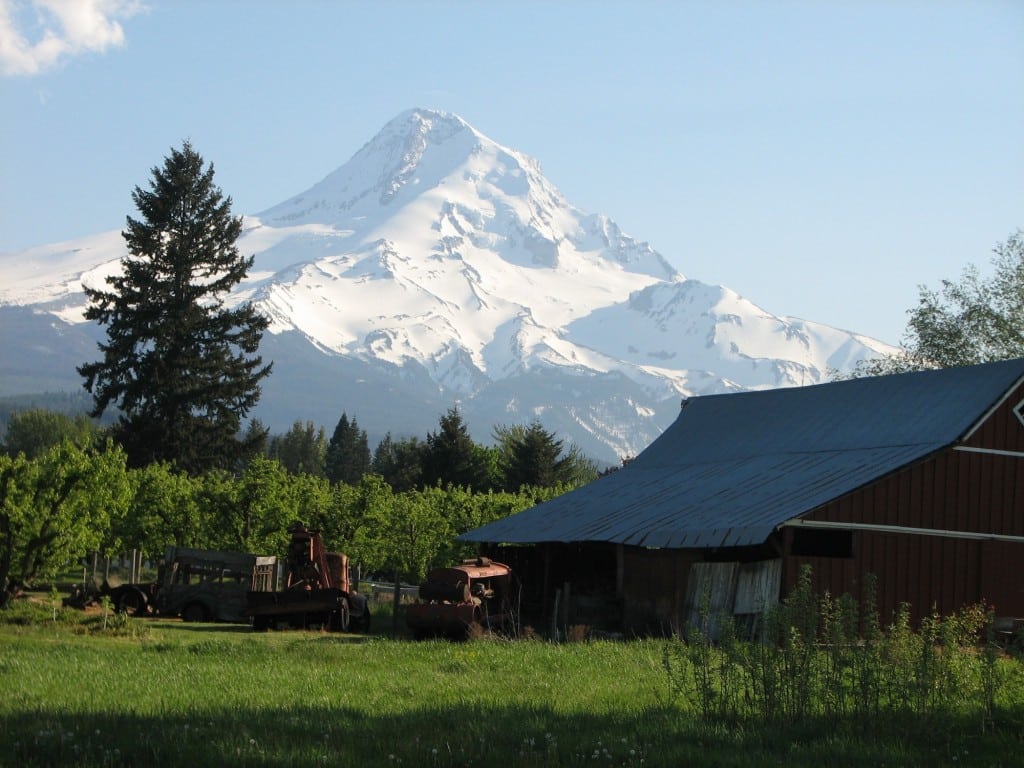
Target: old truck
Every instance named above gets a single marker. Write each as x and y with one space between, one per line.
317 590
457 601
211 585
195 584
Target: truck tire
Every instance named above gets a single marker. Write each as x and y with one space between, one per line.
193 612
131 602
340 618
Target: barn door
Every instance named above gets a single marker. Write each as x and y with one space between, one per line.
710 590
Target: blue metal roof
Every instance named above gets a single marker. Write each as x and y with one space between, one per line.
731 468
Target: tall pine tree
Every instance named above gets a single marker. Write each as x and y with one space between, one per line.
399 462
451 457
180 366
532 456
348 453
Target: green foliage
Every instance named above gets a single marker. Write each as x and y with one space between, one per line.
532 456
348 453
181 366
57 507
33 431
264 506
974 320
399 462
451 457
165 511
302 449
817 659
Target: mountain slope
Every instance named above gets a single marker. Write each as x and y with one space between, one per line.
439 267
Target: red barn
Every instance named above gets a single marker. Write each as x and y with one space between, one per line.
916 478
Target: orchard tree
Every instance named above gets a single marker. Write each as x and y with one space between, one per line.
974 320
164 511
265 504
348 453
179 364
57 507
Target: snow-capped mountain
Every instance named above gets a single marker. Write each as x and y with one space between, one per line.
438 267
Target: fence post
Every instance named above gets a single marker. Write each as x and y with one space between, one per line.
396 599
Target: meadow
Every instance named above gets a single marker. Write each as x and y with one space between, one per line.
116 691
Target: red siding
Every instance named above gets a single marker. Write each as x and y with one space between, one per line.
955 490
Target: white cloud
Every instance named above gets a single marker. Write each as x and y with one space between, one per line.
36 35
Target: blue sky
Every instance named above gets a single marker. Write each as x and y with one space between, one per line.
823 159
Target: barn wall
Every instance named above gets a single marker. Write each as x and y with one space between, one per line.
654 585
955 490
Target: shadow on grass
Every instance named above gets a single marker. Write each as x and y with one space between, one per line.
338 734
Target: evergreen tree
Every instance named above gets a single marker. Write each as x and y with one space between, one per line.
300 450
180 365
399 462
450 456
33 431
532 456
348 453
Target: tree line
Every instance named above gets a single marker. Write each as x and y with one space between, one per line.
62 501
522 455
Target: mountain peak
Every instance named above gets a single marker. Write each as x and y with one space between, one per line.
437 264
419 146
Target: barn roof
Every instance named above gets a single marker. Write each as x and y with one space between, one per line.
731 468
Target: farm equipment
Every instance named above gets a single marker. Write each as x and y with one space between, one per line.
458 600
317 590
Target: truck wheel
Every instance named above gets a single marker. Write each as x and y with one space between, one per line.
193 612
131 602
340 618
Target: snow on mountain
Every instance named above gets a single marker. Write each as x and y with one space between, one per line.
444 267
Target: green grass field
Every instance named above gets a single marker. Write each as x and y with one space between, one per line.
147 692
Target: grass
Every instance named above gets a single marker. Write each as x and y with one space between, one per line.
153 692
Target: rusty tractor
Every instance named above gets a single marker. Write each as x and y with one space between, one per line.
460 600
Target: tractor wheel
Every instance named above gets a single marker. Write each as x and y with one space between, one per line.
193 612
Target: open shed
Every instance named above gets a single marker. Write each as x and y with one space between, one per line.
916 478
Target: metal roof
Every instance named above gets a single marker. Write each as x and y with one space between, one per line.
731 468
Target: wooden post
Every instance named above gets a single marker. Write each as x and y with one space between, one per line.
554 616
396 599
566 599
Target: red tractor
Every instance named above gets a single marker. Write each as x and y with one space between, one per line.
459 600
